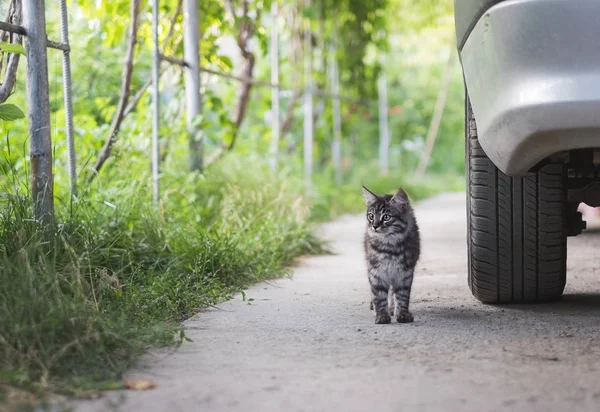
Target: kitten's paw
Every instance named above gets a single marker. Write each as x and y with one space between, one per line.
404 317
382 318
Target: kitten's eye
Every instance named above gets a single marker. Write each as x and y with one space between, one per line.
386 218
370 216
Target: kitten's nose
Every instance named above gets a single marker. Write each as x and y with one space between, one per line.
376 225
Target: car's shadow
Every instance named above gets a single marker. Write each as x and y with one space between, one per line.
582 305
586 304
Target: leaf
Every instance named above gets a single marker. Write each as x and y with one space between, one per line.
226 61
10 112
12 48
139 385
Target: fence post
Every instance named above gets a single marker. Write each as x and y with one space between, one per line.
67 92
384 131
308 101
191 56
155 104
274 149
336 146
38 111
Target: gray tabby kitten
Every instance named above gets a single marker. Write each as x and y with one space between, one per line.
392 247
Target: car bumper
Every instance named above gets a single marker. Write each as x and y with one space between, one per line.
532 70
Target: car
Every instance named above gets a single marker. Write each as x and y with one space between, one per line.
532 102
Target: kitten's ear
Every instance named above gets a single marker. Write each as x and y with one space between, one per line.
369 196
400 198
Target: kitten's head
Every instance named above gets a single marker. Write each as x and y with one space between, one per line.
387 214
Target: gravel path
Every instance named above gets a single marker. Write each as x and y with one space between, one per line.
310 343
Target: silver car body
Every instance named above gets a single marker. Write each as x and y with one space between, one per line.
532 71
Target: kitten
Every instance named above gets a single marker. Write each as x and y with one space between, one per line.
392 247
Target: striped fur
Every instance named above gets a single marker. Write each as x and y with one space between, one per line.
392 248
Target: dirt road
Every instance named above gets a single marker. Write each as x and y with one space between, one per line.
311 344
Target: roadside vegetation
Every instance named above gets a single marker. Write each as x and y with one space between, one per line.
116 274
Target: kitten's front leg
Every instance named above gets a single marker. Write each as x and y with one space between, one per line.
380 300
402 298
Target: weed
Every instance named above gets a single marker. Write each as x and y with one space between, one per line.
118 274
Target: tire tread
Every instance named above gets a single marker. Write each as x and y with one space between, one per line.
516 228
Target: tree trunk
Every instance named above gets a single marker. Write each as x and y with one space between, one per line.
287 124
308 103
243 97
336 145
191 50
274 54
38 111
384 130
247 28
436 119
155 104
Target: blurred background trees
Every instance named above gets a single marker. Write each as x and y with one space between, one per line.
414 37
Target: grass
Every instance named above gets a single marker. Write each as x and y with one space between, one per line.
117 274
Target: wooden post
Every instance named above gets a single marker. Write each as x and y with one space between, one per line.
274 149
67 92
384 131
38 111
191 55
308 102
155 104
336 146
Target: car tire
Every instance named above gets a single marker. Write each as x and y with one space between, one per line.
516 228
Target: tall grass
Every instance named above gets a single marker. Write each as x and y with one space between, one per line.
118 274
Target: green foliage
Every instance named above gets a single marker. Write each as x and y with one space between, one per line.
413 16
331 200
10 112
117 274
363 26
11 48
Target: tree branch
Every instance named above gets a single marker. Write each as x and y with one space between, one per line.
12 28
125 89
247 29
289 117
145 86
136 98
180 62
243 97
173 22
240 113
14 16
